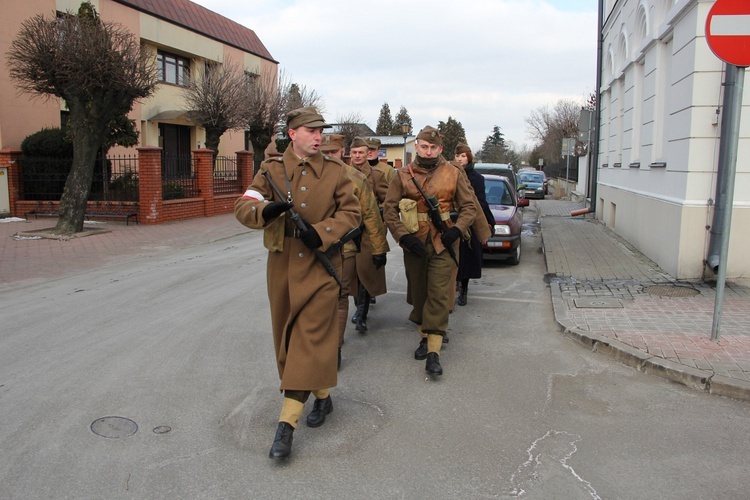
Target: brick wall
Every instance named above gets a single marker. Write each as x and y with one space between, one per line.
152 208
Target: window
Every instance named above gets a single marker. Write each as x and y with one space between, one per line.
173 69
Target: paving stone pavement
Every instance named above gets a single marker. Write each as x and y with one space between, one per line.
609 296
25 256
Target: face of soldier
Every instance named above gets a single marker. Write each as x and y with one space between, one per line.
462 159
427 149
306 140
372 154
359 155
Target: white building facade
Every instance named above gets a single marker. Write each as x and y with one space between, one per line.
660 115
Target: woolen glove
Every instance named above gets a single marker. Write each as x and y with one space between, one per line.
450 236
274 209
379 260
310 237
413 244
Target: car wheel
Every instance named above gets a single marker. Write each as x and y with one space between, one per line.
516 258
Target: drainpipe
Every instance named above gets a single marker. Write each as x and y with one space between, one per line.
730 117
594 149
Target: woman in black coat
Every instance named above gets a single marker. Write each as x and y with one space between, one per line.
470 252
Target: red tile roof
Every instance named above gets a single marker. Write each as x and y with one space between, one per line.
201 20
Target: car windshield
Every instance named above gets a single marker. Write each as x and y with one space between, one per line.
497 192
530 177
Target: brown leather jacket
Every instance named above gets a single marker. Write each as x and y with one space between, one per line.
452 189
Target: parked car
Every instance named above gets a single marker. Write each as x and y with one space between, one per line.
535 182
503 202
504 170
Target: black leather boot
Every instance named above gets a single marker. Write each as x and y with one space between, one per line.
433 364
321 408
357 304
462 299
362 309
421 351
282 442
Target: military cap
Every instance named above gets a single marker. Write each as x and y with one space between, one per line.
358 142
308 117
431 135
332 142
373 143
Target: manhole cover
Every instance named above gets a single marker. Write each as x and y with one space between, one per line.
671 291
597 303
114 427
162 429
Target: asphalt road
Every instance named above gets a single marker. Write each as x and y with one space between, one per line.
178 343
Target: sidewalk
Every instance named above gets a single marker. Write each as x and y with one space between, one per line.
610 297
26 257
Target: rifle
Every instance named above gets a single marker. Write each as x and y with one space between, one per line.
323 257
433 208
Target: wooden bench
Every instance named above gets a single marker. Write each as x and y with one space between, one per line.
114 210
101 209
43 209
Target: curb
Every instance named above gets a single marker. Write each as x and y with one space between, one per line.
702 380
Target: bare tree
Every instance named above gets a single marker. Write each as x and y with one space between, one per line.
215 100
350 126
550 126
98 68
269 99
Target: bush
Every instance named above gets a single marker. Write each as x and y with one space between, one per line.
49 143
172 191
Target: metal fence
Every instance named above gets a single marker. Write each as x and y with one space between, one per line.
44 178
178 177
226 180
115 178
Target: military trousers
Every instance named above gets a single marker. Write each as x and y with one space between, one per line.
430 280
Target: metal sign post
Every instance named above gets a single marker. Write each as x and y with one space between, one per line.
730 133
728 36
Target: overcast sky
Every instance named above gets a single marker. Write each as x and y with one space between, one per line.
482 62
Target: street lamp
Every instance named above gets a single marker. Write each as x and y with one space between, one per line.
405 130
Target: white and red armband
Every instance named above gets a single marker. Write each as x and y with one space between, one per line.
253 195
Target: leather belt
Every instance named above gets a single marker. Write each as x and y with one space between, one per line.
291 232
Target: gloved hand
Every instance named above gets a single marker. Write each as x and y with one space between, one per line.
450 236
492 229
413 244
274 209
310 237
379 260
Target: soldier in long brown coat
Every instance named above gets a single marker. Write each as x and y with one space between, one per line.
302 293
429 266
370 267
373 229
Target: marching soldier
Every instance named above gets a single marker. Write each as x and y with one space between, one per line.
305 204
373 158
372 226
417 212
370 277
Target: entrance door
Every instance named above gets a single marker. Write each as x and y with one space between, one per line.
175 151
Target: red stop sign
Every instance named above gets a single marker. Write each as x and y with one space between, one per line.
728 31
